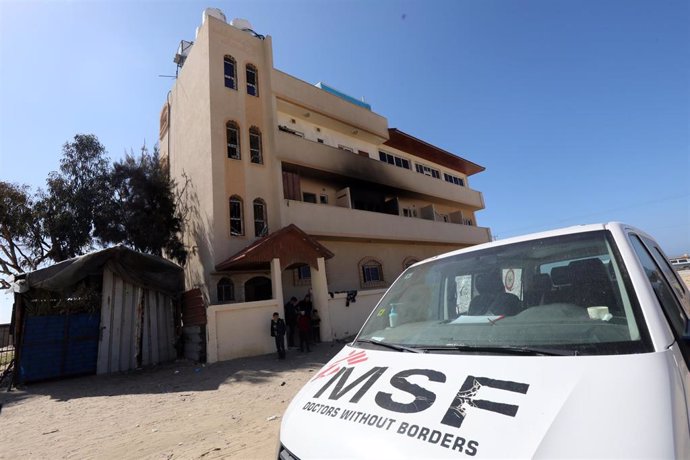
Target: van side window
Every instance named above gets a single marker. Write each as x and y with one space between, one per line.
672 308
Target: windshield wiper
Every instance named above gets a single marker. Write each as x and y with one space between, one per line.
392 346
529 351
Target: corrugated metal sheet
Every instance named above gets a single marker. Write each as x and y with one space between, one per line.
137 326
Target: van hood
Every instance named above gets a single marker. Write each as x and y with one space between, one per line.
385 404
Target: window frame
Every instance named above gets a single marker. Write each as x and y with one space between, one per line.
365 268
227 59
454 179
255 151
232 125
228 285
260 221
389 158
239 219
432 172
300 278
252 88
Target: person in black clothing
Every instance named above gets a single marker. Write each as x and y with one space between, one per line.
291 320
278 331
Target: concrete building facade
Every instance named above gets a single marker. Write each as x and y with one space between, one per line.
254 150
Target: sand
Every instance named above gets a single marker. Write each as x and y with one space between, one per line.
185 410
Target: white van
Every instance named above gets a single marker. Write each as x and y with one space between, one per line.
571 343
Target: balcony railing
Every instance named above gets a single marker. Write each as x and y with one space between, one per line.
337 222
297 150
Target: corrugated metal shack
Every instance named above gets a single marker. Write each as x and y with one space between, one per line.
107 311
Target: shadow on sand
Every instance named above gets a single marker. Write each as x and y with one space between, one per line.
178 376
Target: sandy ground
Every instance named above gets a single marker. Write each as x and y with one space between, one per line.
177 410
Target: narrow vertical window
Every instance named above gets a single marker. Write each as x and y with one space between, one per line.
260 226
255 145
252 80
236 226
233 137
230 72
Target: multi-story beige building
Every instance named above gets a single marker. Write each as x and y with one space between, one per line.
256 150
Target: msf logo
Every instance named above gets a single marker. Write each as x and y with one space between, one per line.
343 383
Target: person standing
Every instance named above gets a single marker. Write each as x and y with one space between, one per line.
278 332
291 320
315 326
303 327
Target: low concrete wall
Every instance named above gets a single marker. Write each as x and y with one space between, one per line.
347 321
240 329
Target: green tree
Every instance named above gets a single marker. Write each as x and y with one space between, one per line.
141 211
22 247
76 194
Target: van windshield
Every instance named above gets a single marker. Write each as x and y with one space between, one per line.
567 293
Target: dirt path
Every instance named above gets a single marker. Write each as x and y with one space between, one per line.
178 410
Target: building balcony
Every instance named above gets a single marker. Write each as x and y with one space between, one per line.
343 223
299 151
301 99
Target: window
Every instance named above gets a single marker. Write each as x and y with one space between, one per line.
236 225
302 276
252 80
309 197
260 226
232 133
323 198
453 179
664 282
255 145
371 273
229 66
394 160
320 141
427 171
225 290
409 212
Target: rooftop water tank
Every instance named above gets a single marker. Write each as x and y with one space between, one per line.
241 24
213 12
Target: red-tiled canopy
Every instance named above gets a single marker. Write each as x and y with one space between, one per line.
290 244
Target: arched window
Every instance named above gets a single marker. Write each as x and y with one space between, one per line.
226 290
258 288
408 262
252 80
255 145
370 273
236 220
260 221
232 133
230 72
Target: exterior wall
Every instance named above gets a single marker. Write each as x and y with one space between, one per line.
298 151
238 330
346 321
187 148
338 222
342 270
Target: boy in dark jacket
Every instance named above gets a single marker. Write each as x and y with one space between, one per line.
278 331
